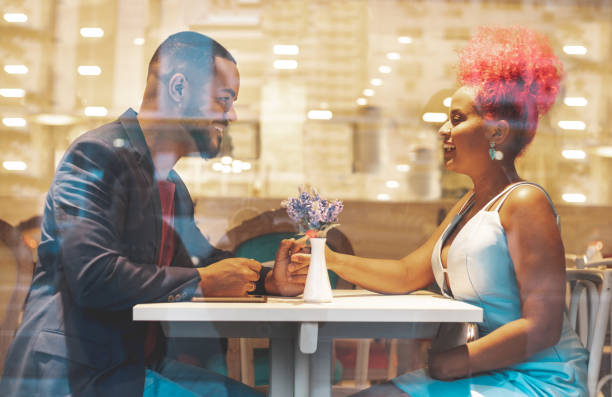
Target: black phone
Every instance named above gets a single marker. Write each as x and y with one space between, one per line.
241 299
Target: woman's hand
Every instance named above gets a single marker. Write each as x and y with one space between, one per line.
451 364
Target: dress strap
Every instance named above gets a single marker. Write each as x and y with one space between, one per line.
506 192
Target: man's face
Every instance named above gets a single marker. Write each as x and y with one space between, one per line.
210 108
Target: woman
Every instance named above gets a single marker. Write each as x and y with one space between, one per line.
499 247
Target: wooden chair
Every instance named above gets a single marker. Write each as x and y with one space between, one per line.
258 238
16 268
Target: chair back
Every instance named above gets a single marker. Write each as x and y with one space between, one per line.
16 270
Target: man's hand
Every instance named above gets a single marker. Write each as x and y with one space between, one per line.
229 277
281 280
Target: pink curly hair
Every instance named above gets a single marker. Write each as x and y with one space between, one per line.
516 75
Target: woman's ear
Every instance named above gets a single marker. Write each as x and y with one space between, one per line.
501 131
177 87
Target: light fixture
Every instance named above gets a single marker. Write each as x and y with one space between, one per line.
575 101
14 165
384 69
286 64
447 101
286 49
89 70
15 17
139 41
404 39
226 160
226 169
434 117
402 167
16 69
14 121
573 154
604 151
383 197
392 184
572 125
376 82
54 119
12 92
574 197
217 166
574 49
92 32
96 111
393 56
246 165
368 92
320 114
362 101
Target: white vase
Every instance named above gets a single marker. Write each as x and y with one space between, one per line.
317 289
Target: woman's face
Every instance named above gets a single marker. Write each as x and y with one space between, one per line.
465 144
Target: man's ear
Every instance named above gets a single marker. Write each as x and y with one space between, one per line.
501 131
177 86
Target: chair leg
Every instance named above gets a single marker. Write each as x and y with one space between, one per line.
246 362
600 333
361 363
233 358
392 359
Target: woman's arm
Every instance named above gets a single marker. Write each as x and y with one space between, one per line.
537 252
386 275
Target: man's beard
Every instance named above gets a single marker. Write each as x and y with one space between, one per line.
201 136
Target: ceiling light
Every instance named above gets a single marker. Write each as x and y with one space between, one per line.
362 101
226 169
392 184
139 41
14 165
574 197
92 32
604 151
96 111
15 17
574 49
403 167
246 165
383 197
376 82
572 125
16 69
286 49
285 64
14 121
575 101
573 154
89 70
447 101
393 56
226 160
319 114
433 117
404 39
217 166
368 92
54 119
12 92
384 69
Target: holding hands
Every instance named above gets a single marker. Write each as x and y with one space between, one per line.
286 279
230 277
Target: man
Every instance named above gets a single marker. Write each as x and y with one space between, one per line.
118 230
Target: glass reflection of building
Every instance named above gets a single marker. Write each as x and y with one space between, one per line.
334 94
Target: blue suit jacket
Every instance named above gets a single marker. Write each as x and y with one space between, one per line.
97 259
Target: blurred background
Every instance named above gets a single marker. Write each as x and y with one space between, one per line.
344 95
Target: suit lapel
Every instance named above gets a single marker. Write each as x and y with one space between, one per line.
144 173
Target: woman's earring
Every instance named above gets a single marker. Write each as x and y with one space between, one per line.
495 154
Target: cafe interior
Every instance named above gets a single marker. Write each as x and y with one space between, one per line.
345 96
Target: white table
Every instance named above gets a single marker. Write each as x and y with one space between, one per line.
301 333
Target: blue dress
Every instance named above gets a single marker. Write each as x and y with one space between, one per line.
481 273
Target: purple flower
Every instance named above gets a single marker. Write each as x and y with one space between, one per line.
312 212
